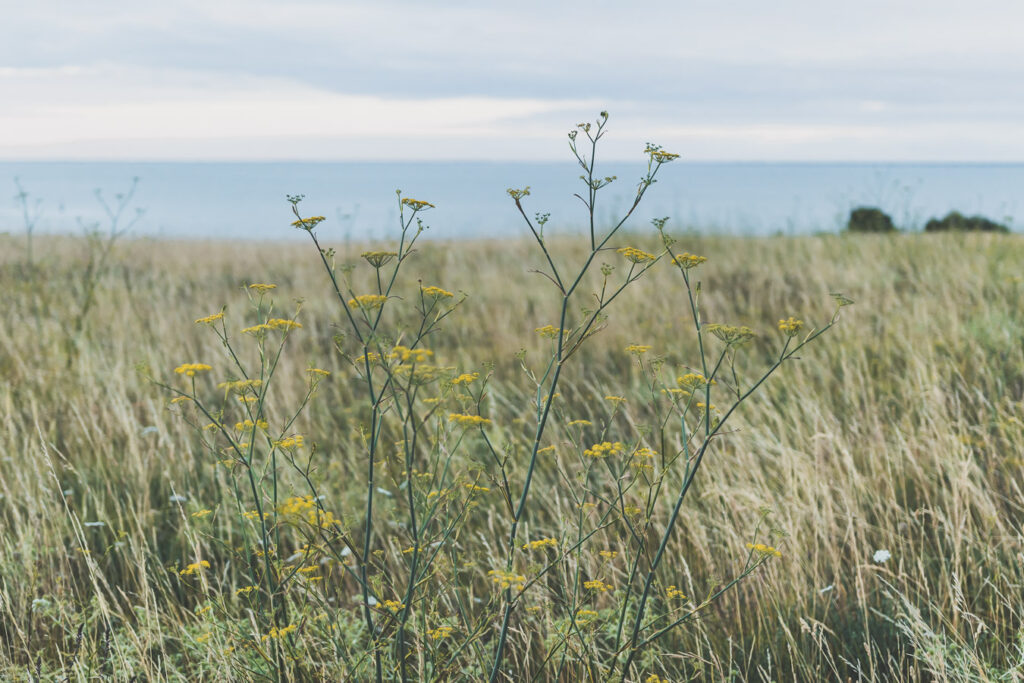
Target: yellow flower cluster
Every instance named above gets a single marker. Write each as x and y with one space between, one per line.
416 204
405 354
210 319
272 324
655 678
468 420
249 424
440 632
199 514
276 632
541 543
791 326
548 331
609 554
636 255
597 585
190 369
262 287
466 378
693 380
673 593
730 334
518 194
194 568
615 399
306 507
763 549
378 258
241 385
308 223
474 488
507 579
580 423
585 615
367 302
436 292
687 260
393 606
290 442
637 348
317 372
662 157
246 590
602 450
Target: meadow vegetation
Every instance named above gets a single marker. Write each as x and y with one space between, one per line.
186 500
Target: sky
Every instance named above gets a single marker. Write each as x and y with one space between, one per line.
801 80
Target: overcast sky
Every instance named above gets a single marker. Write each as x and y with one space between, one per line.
744 80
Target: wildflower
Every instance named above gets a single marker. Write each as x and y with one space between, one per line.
180 399
545 449
637 348
466 378
199 514
881 556
436 292
549 331
246 590
377 259
249 424
367 301
262 288
636 255
405 354
518 194
194 568
210 319
202 638
655 678
317 372
283 324
686 260
468 420
256 329
474 488
693 380
416 204
580 423
585 615
673 593
791 326
394 606
609 554
507 579
597 585
615 399
764 550
276 633
308 223
601 450
631 510
731 334
440 632
290 442
190 369
541 543
240 385
663 157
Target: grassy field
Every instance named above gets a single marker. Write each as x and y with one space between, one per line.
900 429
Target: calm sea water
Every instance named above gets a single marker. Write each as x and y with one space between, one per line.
247 200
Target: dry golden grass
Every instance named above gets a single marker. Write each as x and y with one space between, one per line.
900 430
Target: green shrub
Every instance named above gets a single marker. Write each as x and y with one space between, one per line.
869 219
954 220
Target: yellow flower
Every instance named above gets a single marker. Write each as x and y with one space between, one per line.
210 319
436 292
615 399
256 329
290 442
601 450
518 194
241 385
190 369
308 223
262 287
763 549
393 605
194 568
585 615
367 301
597 585
790 326
731 334
246 590
673 593
249 424
474 488
693 380
638 348
282 324
507 579
276 633
468 420
416 204
549 331
181 399
405 354
541 543
580 423
687 260
440 632
609 554
636 255
378 259
317 372
199 514
466 378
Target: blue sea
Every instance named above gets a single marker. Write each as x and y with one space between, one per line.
234 201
